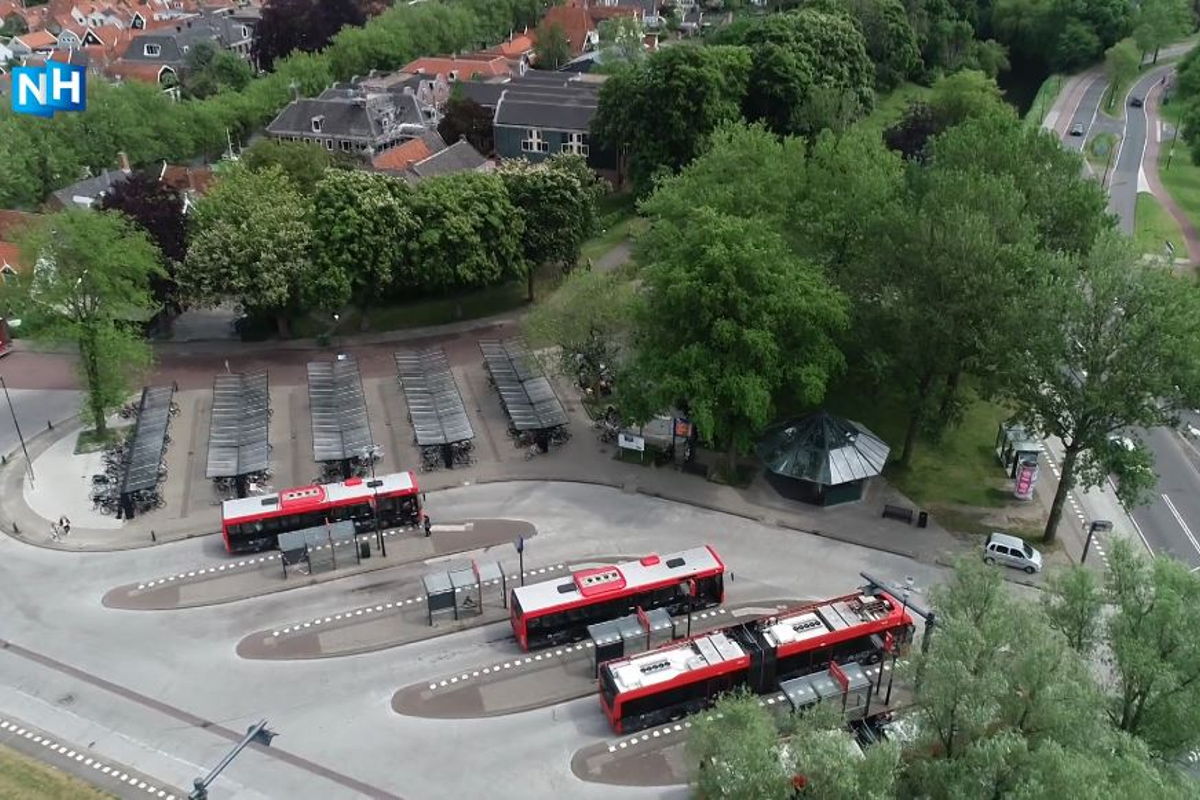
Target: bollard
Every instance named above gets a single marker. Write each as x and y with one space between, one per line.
15 528
153 538
49 425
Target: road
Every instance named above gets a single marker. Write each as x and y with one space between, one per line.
164 691
1170 522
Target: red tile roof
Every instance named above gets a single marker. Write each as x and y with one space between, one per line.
485 65
10 255
181 178
38 39
12 221
575 23
144 72
403 156
515 47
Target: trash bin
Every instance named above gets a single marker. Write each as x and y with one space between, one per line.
922 519
364 549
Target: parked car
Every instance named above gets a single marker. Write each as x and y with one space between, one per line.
1077 129
1136 102
1010 551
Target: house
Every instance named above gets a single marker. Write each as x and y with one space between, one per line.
11 224
160 54
468 67
543 113
89 191
33 43
428 156
351 118
518 49
191 182
580 21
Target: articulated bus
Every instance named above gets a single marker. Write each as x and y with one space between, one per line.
251 524
684 677
559 610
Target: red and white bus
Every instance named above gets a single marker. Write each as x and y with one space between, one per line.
250 524
684 677
559 610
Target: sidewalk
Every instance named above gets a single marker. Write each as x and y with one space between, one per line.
583 459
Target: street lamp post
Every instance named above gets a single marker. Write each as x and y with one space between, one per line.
369 455
908 584
17 425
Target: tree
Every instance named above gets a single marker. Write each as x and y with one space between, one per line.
621 42
303 163
91 287
211 70
470 234
954 99
890 40
1160 22
1155 641
158 210
361 223
1118 351
586 320
1121 64
736 750
552 48
729 320
304 25
253 242
557 201
466 118
1073 602
659 115
820 749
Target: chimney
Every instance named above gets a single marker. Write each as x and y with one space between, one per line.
123 161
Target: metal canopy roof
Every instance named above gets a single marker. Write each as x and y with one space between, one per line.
823 449
238 436
149 439
435 404
340 426
527 395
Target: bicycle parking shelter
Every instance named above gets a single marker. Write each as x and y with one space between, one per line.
238 437
341 429
435 404
145 451
525 392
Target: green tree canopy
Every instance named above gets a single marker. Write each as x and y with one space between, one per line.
252 242
90 287
659 115
553 48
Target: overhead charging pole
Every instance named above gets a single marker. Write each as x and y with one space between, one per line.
255 733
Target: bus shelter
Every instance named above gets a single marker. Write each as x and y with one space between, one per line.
847 682
238 440
616 638
319 548
435 404
458 589
146 450
341 428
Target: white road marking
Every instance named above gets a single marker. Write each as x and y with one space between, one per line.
1179 518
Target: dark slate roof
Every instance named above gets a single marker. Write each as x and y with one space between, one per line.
486 94
458 157
565 110
347 112
174 41
89 187
823 449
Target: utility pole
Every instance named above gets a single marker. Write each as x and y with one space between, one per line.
369 455
255 733
17 425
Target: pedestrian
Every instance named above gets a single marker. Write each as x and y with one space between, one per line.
428 526
64 524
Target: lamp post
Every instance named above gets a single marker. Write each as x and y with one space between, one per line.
689 586
908 584
369 454
17 425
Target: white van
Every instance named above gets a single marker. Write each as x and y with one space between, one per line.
1011 552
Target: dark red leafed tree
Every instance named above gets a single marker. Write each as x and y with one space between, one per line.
305 25
158 209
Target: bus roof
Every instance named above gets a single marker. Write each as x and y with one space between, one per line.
667 663
622 578
305 498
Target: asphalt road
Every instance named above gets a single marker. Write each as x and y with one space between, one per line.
1170 523
35 408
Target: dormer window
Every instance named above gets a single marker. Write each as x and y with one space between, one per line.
151 50
317 124
453 74
245 32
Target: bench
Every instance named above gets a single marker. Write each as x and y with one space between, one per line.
901 513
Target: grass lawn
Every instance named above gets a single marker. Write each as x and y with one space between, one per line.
89 441
1153 226
1043 100
1100 149
618 221
890 107
23 778
1182 178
